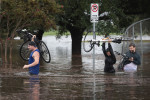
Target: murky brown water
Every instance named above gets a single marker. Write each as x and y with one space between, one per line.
72 78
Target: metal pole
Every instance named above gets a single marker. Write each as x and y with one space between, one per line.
94 84
94 37
133 33
141 33
127 41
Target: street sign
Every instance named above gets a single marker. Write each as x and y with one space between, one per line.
94 12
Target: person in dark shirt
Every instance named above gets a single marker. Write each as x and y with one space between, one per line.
134 59
110 58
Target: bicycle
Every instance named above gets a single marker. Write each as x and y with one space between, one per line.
25 53
88 44
123 59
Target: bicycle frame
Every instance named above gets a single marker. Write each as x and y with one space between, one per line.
123 59
27 36
88 44
97 41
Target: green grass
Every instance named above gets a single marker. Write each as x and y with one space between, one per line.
54 33
68 33
50 33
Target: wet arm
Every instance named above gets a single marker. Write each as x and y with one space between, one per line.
111 50
112 53
34 36
103 48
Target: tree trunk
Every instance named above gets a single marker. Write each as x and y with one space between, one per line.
6 42
10 52
2 56
76 42
11 47
76 61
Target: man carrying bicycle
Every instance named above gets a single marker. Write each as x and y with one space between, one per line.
34 59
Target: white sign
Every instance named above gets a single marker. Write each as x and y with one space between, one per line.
94 12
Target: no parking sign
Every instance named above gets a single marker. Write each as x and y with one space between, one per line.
94 12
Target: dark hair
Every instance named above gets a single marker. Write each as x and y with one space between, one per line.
32 43
131 44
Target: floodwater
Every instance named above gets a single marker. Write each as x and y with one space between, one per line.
72 77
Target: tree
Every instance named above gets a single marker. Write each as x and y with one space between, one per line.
74 19
116 20
138 9
31 14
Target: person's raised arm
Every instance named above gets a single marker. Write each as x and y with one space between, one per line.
112 53
103 48
34 36
110 48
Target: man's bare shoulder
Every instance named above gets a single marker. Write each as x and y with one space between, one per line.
36 53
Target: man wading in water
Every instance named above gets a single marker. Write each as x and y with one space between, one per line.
134 59
110 58
34 59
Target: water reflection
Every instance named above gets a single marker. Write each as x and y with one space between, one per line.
33 87
10 86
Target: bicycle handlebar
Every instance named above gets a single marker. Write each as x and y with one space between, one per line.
27 36
115 40
25 31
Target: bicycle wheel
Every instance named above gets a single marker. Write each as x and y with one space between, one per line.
24 51
87 43
45 54
121 64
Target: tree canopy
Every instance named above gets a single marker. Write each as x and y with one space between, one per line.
76 13
28 14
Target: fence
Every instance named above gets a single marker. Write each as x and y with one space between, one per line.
136 32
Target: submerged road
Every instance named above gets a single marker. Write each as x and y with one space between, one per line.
72 78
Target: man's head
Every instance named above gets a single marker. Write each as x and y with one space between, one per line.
108 52
106 35
32 45
132 47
